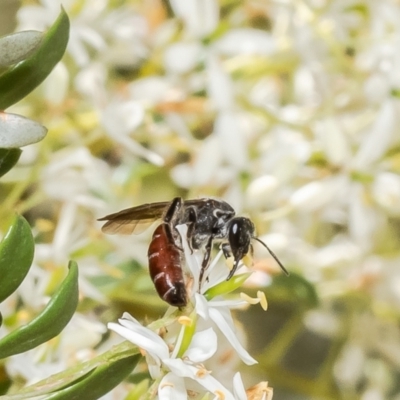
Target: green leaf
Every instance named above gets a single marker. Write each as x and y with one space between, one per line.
72 375
50 322
16 255
20 80
99 381
8 158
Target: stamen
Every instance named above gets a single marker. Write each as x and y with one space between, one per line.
263 300
202 372
260 391
184 320
142 352
267 393
220 394
171 347
250 300
260 299
247 260
165 384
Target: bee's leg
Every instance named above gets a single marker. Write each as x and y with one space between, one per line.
192 219
234 268
170 219
206 259
170 235
226 250
173 210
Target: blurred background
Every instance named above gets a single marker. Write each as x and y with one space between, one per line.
288 110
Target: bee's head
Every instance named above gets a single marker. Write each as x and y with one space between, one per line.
240 234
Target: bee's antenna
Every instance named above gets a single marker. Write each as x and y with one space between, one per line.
273 255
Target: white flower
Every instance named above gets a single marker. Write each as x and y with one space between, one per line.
378 138
386 191
73 174
160 360
200 16
260 189
316 194
245 41
181 57
120 119
132 330
228 126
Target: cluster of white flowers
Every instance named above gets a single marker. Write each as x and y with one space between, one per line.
287 110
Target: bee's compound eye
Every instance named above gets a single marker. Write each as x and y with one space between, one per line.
236 232
240 233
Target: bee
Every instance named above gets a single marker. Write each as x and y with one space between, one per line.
208 220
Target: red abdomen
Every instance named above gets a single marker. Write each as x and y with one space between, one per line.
165 267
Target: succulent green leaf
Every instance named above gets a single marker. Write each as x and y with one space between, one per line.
8 158
18 131
99 381
25 76
50 322
18 46
74 374
16 255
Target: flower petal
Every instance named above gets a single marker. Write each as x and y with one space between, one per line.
238 387
227 303
201 306
215 274
247 41
203 346
379 137
200 17
232 143
180 368
172 387
141 337
227 330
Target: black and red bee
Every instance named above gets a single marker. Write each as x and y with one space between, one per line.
208 220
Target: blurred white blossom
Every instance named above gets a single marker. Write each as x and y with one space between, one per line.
287 110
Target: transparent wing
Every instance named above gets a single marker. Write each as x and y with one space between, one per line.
135 219
126 227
